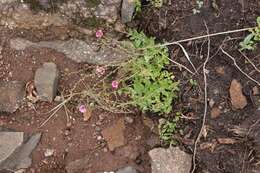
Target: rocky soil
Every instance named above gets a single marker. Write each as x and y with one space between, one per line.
49 47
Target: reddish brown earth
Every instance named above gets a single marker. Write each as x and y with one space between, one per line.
70 142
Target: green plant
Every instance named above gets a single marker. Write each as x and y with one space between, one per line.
193 82
151 86
251 40
167 129
199 4
138 6
157 3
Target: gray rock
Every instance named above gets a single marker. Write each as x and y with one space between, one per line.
7 1
9 142
76 50
19 15
11 95
20 157
127 10
171 160
46 81
108 10
127 169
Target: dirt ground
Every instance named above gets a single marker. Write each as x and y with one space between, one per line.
222 149
175 22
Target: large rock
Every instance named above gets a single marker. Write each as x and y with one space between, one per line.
9 142
19 15
11 95
46 81
127 10
76 50
171 160
114 135
15 150
108 10
238 99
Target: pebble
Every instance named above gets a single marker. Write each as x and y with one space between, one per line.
49 152
129 120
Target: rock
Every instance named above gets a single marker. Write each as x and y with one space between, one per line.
46 81
238 99
211 102
9 142
76 50
256 90
127 10
78 165
220 70
129 120
171 160
49 152
19 150
127 169
19 15
108 10
215 112
114 135
11 95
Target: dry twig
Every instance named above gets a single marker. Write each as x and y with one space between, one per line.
205 104
235 63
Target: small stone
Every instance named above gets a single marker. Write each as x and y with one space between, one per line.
98 129
211 103
215 112
256 90
11 95
238 99
46 81
49 152
114 135
127 10
58 99
99 138
127 169
171 160
220 70
129 120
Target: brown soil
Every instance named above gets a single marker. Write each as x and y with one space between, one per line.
70 142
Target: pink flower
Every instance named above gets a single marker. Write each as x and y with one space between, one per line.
82 108
100 71
115 84
99 33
